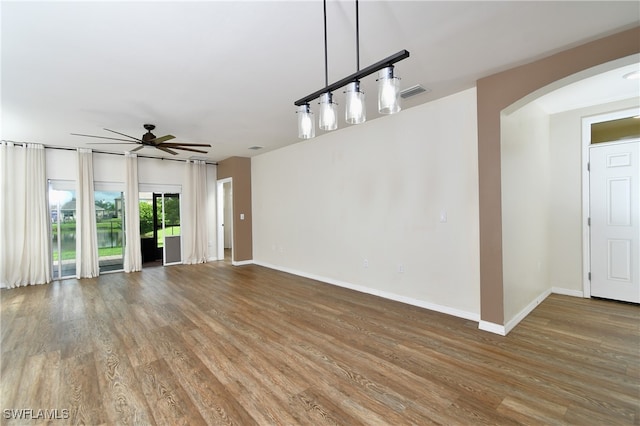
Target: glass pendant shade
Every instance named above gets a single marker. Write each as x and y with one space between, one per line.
355 109
328 116
306 124
388 91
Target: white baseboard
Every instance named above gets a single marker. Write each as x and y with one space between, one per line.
242 262
492 328
567 292
504 330
430 306
526 311
384 294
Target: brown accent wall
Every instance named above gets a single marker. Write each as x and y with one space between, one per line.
239 169
495 93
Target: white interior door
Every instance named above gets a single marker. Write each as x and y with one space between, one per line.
615 216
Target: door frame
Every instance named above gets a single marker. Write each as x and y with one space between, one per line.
220 216
586 187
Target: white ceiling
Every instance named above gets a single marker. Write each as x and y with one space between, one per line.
608 86
227 73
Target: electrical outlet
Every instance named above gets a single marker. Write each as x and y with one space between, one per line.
401 268
365 263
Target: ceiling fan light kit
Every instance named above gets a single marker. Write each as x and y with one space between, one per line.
150 140
355 111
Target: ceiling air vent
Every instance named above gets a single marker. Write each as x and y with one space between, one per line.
256 147
412 91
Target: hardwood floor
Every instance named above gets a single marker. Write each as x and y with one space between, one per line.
215 344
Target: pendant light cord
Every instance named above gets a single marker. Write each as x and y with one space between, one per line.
357 38
326 66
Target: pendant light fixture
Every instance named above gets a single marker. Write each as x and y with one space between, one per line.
328 109
328 112
388 91
306 125
355 112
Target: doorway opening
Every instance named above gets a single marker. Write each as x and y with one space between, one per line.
225 219
160 229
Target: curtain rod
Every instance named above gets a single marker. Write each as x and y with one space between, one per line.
68 148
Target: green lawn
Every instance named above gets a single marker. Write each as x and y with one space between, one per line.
102 252
169 230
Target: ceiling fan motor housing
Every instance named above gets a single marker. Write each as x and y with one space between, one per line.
148 136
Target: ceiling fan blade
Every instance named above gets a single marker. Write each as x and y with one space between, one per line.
186 144
161 139
185 149
102 137
137 149
166 150
122 134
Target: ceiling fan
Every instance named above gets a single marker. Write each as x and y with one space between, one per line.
149 139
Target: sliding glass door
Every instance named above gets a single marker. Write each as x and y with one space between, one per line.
62 209
109 220
160 228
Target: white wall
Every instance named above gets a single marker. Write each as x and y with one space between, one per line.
565 248
376 191
525 161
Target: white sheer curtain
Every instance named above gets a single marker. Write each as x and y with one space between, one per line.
194 210
132 252
25 251
86 232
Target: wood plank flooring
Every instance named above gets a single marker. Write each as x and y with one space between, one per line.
216 344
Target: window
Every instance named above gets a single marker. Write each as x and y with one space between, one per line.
110 231
62 209
615 130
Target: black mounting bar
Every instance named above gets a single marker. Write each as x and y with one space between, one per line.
403 54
